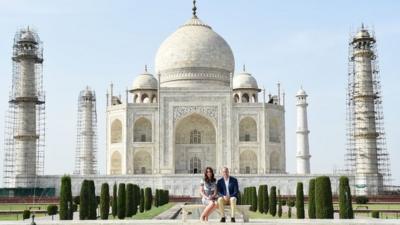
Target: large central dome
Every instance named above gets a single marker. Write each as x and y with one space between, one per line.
194 56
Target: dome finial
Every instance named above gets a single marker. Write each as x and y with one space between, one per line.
145 68
244 67
194 9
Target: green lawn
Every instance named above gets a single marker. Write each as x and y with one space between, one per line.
154 211
257 215
22 206
16 217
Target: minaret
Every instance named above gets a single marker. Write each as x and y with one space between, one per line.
85 159
303 152
368 180
25 122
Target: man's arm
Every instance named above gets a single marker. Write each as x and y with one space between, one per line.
219 188
235 188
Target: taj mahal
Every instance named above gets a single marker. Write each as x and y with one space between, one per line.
195 109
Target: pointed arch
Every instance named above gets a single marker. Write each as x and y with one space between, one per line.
142 130
116 131
247 130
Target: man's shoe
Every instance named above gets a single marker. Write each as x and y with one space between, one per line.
233 220
223 220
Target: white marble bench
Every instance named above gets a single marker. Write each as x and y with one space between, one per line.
242 210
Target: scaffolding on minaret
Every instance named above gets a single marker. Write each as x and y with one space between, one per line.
86 140
24 138
354 117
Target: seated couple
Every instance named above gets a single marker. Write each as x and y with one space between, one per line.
217 194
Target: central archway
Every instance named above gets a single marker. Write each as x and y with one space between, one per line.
195 144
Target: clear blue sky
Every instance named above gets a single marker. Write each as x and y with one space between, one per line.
295 42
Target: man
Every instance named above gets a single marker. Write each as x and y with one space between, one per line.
228 190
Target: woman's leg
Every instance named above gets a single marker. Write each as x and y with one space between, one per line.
208 209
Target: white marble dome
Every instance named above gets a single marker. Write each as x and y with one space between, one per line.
363 33
301 92
244 80
193 56
145 81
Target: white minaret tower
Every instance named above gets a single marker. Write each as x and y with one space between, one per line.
303 152
24 138
85 159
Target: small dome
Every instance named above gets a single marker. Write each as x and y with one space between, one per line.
194 56
363 33
301 92
244 80
145 81
28 36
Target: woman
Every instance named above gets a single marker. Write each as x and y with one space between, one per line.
208 191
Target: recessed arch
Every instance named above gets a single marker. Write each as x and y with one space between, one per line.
116 131
116 167
145 98
248 162
247 130
245 98
236 98
275 162
142 163
142 130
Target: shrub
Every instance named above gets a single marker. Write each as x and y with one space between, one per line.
261 192
104 201
129 200
291 202
92 201
136 198
299 201
76 200
272 203
283 201
84 201
323 198
266 200
375 214
26 214
52 210
289 212
114 205
66 211
74 207
279 204
362 200
156 198
121 201
311 199
141 202
253 199
345 205
147 198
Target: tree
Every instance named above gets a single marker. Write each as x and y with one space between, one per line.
279 204
129 200
136 198
141 203
114 205
261 198
92 201
104 201
156 198
323 198
272 203
299 201
266 200
66 210
84 201
147 198
311 199
26 214
52 210
121 201
345 205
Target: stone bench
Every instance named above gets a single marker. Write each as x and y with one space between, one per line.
242 210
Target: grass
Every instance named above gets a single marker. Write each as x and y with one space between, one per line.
16 216
154 211
258 215
22 206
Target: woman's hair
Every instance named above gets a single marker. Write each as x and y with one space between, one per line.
206 178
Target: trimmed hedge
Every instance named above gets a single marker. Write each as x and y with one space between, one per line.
114 203
121 211
26 214
279 204
92 201
141 202
299 201
272 203
52 210
362 199
66 210
136 198
311 199
148 198
266 200
323 198
345 205
84 201
261 198
129 200
375 214
104 201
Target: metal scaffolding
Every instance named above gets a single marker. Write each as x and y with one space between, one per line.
86 146
25 119
365 124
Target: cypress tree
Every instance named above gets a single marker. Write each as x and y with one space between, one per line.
311 199
345 205
92 200
121 212
266 200
141 202
136 198
261 197
104 201
114 206
323 198
299 201
279 204
84 201
147 198
156 198
66 210
253 199
272 202
129 200
289 212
